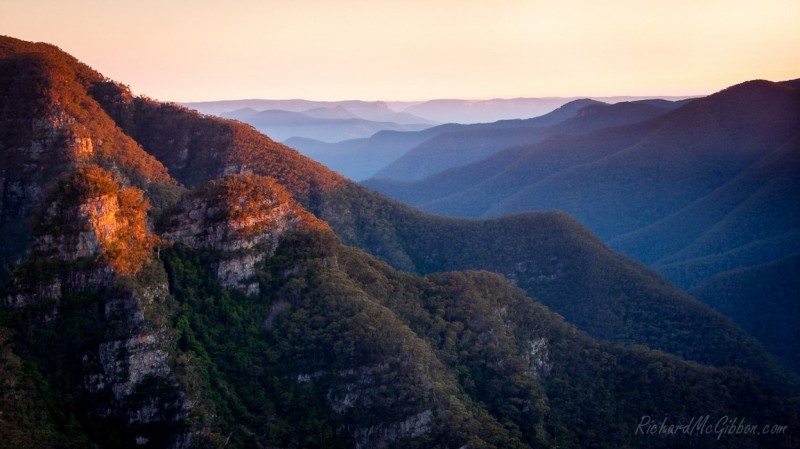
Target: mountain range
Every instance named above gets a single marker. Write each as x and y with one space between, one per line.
332 125
414 155
476 142
378 111
696 193
360 159
180 280
458 111
324 121
487 111
359 149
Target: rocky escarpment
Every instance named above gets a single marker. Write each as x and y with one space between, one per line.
243 217
92 259
49 126
76 247
127 376
89 230
64 254
35 147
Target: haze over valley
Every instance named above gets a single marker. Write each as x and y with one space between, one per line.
400 225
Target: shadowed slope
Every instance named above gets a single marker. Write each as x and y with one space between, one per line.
702 190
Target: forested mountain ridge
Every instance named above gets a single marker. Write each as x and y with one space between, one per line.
738 125
207 307
702 191
413 241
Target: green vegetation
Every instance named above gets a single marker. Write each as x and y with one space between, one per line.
338 324
338 348
48 126
331 364
556 260
31 417
341 343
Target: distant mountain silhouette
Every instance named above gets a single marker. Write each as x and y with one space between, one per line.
475 111
359 159
336 112
475 142
484 111
792 83
328 124
378 111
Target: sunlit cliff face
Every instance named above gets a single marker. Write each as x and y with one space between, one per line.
120 225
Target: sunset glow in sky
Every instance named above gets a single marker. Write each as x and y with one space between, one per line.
182 50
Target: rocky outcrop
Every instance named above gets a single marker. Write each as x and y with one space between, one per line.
124 371
364 388
242 216
125 363
539 358
92 227
384 435
34 149
24 291
136 353
237 271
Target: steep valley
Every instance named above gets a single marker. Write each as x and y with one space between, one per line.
178 280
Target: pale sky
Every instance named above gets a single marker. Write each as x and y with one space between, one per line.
193 50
